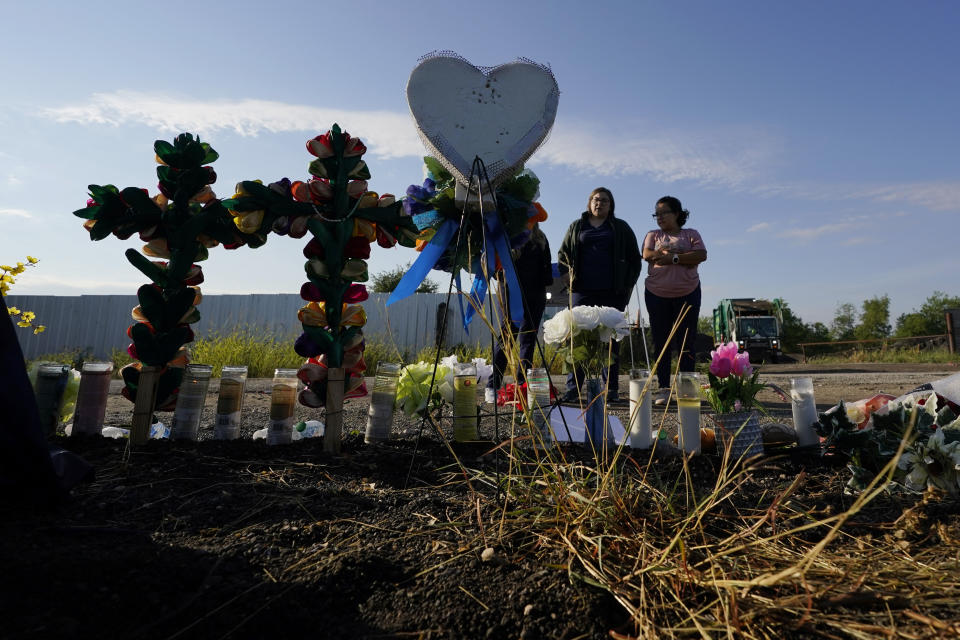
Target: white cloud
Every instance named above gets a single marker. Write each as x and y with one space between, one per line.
809 233
932 195
937 196
20 213
729 158
760 226
13 181
387 134
41 284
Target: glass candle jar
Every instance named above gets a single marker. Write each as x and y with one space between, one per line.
465 418
190 401
233 382
283 399
804 411
48 391
380 413
92 398
538 401
688 410
641 436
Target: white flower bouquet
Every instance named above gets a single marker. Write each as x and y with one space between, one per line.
582 335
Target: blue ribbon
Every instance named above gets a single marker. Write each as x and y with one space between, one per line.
497 245
501 244
428 259
477 292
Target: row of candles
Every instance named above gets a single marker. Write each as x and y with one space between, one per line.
95 378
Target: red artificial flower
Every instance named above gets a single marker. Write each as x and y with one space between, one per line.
352 146
321 146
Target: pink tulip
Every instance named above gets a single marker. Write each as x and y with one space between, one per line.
728 350
741 365
720 366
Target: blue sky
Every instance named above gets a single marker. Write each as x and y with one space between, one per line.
815 143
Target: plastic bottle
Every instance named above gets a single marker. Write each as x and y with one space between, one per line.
308 429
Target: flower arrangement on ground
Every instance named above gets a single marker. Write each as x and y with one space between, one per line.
733 381
415 380
931 458
582 335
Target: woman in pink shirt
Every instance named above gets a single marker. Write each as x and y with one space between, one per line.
672 284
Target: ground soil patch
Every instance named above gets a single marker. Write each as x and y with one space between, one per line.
239 540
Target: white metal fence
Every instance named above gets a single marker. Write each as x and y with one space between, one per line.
98 324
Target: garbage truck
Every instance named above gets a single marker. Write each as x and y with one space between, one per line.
756 325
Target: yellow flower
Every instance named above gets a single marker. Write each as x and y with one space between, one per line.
14 311
39 329
28 316
32 260
8 279
23 324
6 267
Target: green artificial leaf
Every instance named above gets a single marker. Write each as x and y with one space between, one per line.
210 155
523 187
440 173
163 149
144 265
140 202
860 478
321 168
157 349
945 416
951 432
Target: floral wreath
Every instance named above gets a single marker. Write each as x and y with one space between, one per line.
490 236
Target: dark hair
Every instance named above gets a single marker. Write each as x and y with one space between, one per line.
613 205
674 205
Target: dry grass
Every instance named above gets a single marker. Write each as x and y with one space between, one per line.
705 549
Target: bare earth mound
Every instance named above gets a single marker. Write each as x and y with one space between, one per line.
239 540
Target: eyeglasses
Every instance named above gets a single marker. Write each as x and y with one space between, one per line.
660 214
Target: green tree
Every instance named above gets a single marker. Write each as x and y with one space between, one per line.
844 322
705 326
819 332
874 319
930 319
387 281
795 330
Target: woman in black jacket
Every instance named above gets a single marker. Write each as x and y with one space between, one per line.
602 251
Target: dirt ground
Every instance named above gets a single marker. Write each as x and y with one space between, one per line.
237 539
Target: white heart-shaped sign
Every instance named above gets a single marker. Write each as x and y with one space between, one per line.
500 115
